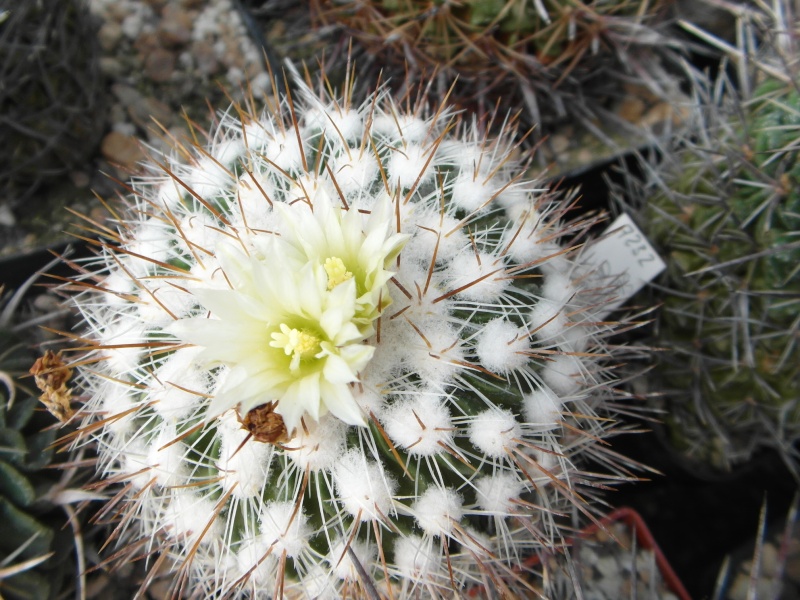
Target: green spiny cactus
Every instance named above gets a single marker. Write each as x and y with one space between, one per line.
723 206
35 547
346 349
547 49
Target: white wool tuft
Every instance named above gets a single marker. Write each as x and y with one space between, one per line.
118 398
471 192
430 228
133 464
435 358
547 320
528 241
412 128
257 561
409 128
162 303
347 124
339 125
542 408
207 178
558 287
284 150
256 134
420 425
518 199
285 528
118 283
574 339
409 164
341 563
563 374
368 396
502 346
483 276
363 488
496 493
170 193
167 458
227 152
254 191
436 510
309 188
493 432
417 558
243 465
355 171
190 516
467 156
124 353
180 369
152 239
201 230
317 445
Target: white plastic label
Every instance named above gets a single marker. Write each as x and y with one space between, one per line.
624 252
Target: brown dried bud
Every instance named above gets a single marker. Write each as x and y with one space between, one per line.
51 376
265 425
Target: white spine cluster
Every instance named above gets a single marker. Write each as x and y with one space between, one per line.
335 350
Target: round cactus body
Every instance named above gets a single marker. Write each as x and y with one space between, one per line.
474 35
724 208
541 48
343 350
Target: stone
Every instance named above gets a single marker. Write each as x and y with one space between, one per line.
109 35
205 58
559 143
80 179
126 94
146 43
111 67
159 65
632 109
121 150
147 109
175 28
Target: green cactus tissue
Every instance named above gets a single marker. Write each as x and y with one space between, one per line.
723 207
346 349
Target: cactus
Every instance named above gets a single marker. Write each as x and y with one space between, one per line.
35 555
545 55
52 97
722 203
345 349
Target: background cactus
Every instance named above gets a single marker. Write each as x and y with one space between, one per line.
551 57
36 546
722 203
346 347
52 95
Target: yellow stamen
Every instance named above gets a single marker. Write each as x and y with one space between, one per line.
299 344
336 271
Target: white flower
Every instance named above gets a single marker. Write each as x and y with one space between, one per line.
293 324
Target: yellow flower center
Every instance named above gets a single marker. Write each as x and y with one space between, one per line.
336 271
299 344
